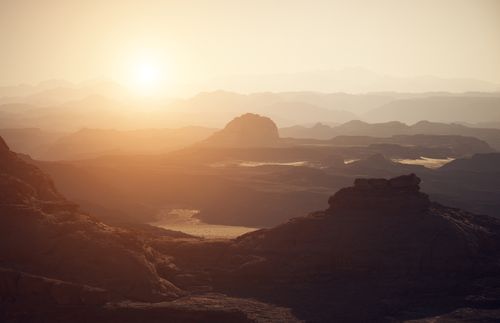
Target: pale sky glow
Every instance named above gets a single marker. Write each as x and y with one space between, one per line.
193 41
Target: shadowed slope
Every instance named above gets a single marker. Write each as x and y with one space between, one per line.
44 234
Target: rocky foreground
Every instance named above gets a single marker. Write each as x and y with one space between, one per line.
58 264
381 252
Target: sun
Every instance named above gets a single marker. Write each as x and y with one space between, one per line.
149 75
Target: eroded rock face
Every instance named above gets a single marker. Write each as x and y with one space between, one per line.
44 234
248 130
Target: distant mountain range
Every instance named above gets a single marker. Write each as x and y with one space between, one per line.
60 105
388 129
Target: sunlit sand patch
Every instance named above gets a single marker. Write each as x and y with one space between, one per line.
185 220
350 161
426 162
256 164
249 163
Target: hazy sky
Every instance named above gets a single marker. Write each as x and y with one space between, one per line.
196 40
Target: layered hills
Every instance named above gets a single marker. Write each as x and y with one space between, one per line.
393 128
246 162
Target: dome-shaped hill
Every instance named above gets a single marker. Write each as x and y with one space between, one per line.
248 130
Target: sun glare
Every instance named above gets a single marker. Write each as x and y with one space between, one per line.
148 76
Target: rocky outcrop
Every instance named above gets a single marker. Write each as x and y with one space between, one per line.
396 195
248 130
42 233
379 225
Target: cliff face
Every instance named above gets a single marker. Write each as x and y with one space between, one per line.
383 226
44 234
248 130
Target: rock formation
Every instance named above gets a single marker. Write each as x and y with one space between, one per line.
380 242
383 225
396 195
42 233
248 130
